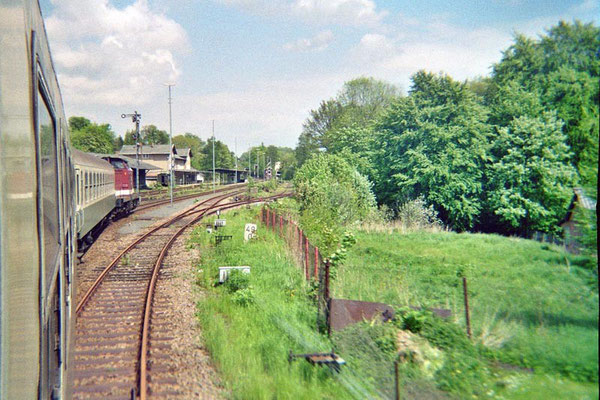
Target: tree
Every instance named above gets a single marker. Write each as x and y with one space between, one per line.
78 123
91 137
149 134
530 183
563 70
224 158
364 98
358 104
152 135
193 142
118 143
315 128
333 195
434 143
129 137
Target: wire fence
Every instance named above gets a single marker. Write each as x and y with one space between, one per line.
373 377
314 267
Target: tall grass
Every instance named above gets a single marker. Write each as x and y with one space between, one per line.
250 339
531 305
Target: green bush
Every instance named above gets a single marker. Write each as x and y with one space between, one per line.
332 195
237 280
244 297
446 335
413 320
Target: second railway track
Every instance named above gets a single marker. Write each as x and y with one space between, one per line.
122 338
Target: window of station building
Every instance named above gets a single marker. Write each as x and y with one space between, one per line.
46 131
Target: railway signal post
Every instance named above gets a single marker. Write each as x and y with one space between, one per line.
135 118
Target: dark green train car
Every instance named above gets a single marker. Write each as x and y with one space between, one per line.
36 213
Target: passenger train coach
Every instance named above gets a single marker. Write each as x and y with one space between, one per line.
37 209
103 191
51 199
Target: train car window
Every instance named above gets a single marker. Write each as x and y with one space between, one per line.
86 184
49 185
77 194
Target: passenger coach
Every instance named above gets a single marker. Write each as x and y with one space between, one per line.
36 213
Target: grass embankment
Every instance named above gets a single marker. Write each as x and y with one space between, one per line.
532 305
250 326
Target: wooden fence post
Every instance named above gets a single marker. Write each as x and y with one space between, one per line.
327 302
316 274
467 316
396 381
306 262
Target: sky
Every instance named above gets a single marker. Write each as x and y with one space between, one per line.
257 67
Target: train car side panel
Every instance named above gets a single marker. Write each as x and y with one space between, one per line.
19 348
36 249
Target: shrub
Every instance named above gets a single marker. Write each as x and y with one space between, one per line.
415 214
244 297
333 195
237 280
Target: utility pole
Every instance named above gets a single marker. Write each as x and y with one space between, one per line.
249 163
213 126
170 146
236 167
135 118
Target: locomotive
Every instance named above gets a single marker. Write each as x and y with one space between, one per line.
103 191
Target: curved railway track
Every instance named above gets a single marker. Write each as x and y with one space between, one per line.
121 333
154 203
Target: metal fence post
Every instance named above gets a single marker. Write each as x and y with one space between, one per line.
280 225
268 218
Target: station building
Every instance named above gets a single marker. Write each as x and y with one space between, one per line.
158 156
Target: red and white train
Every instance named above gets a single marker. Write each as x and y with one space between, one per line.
104 190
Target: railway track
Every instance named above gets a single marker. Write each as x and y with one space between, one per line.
122 334
154 203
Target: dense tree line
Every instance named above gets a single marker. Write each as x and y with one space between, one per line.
500 154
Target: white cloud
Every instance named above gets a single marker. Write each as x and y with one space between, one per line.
432 46
319 42
112 57
320 12
270 111
344 12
